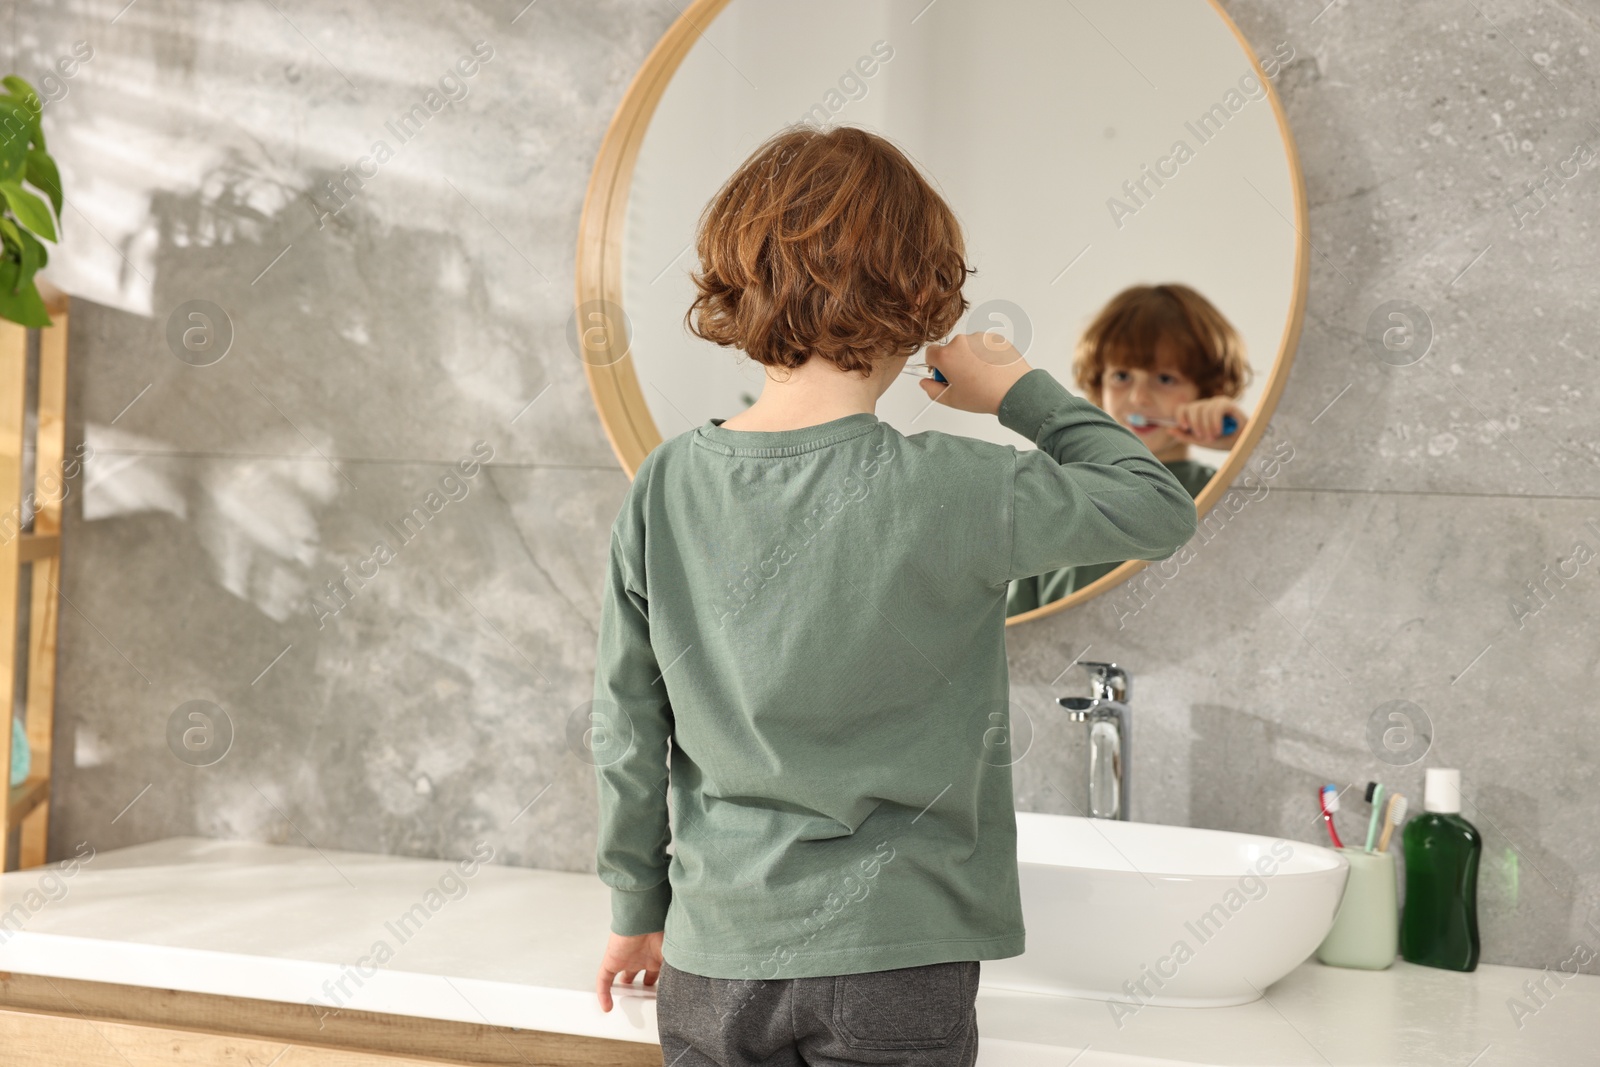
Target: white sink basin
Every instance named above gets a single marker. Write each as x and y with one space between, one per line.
1138 913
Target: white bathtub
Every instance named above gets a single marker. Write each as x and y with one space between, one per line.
1140 913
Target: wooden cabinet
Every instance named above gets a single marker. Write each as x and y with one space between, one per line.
45 1022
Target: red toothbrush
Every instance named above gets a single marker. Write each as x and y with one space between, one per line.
1330 804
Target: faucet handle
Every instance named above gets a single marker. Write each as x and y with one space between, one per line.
1108 681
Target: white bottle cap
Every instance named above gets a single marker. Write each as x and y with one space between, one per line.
1441 791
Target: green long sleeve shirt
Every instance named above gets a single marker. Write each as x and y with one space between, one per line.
800 726
1025 594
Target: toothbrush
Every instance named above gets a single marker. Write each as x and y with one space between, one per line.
1375 798
916 369
1330 804
1397 815
1229 423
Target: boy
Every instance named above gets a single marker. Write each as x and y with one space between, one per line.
1162 351
804 615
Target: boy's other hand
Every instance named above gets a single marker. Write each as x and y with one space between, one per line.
1199 422
626 957
981 369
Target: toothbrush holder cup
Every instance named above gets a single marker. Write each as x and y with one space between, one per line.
1366 932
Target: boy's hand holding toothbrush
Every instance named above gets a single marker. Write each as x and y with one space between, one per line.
980 368
1206 421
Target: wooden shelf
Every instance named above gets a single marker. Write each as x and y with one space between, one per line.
33 791
26 807
38 546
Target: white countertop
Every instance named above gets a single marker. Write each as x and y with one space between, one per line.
518 947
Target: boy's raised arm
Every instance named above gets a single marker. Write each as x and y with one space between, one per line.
1092 492
630 723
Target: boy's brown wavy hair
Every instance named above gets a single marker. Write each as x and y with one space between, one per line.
827 243
1125 333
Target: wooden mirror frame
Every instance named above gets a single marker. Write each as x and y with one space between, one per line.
614 383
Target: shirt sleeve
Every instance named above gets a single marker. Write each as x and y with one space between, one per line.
629 730
1091 492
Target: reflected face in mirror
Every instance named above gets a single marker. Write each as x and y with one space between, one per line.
1158 393
1166 364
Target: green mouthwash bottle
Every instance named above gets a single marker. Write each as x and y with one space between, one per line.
1439 927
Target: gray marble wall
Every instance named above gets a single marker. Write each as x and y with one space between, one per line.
376 346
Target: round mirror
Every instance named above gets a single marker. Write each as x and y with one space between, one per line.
1087 147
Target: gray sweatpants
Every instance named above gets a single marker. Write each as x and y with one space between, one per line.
923 1016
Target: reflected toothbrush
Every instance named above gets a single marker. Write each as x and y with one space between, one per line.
1229 423
1330 804
1375 798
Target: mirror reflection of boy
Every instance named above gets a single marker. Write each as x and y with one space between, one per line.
1163 352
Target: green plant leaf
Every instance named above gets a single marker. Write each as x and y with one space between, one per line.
13 146
13 240
21 240
29 209
13 168
26 307
25 275
32 252
26 244
42 174
16 123
23 90
30 99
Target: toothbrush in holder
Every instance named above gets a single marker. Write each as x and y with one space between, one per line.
1230 425
1330 804
1396 816
1375 798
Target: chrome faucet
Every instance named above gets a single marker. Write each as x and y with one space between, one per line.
1106 711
